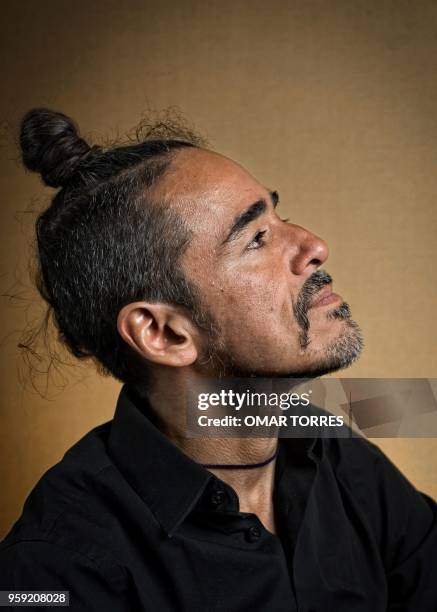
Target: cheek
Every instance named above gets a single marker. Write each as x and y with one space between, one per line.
250 302
243 298
255 310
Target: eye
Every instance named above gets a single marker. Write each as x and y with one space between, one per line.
258 240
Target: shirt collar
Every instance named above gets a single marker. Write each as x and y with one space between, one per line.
169 482
166 478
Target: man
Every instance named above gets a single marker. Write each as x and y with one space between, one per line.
138 516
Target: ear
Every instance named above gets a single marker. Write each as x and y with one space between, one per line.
158 332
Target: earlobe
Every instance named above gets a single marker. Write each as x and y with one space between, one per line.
159 333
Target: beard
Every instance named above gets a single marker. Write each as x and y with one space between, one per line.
341 352
219 362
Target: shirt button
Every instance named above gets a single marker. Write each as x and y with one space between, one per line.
217 497
253 533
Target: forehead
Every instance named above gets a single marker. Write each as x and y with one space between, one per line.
208 190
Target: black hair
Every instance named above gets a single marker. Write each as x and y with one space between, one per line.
103 243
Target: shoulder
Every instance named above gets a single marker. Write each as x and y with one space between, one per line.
65 526
364 468
400 516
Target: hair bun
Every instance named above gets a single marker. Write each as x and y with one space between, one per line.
51 145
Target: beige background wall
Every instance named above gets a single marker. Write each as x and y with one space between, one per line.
331 102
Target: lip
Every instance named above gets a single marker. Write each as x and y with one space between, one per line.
325 297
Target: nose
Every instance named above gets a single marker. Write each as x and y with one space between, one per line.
311 253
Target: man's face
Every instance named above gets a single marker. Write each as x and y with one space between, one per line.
258 275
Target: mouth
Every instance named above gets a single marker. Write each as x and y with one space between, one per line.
325 297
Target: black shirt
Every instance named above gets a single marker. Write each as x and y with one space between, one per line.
126 521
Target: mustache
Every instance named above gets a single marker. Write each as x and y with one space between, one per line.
311 286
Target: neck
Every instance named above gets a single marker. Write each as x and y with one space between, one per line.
254 487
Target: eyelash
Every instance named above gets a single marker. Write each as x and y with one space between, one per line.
260 235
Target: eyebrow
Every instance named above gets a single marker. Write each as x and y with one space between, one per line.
248 215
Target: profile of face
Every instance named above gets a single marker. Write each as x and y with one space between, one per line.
259 277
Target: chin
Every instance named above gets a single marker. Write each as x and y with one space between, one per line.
341 352
336 354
